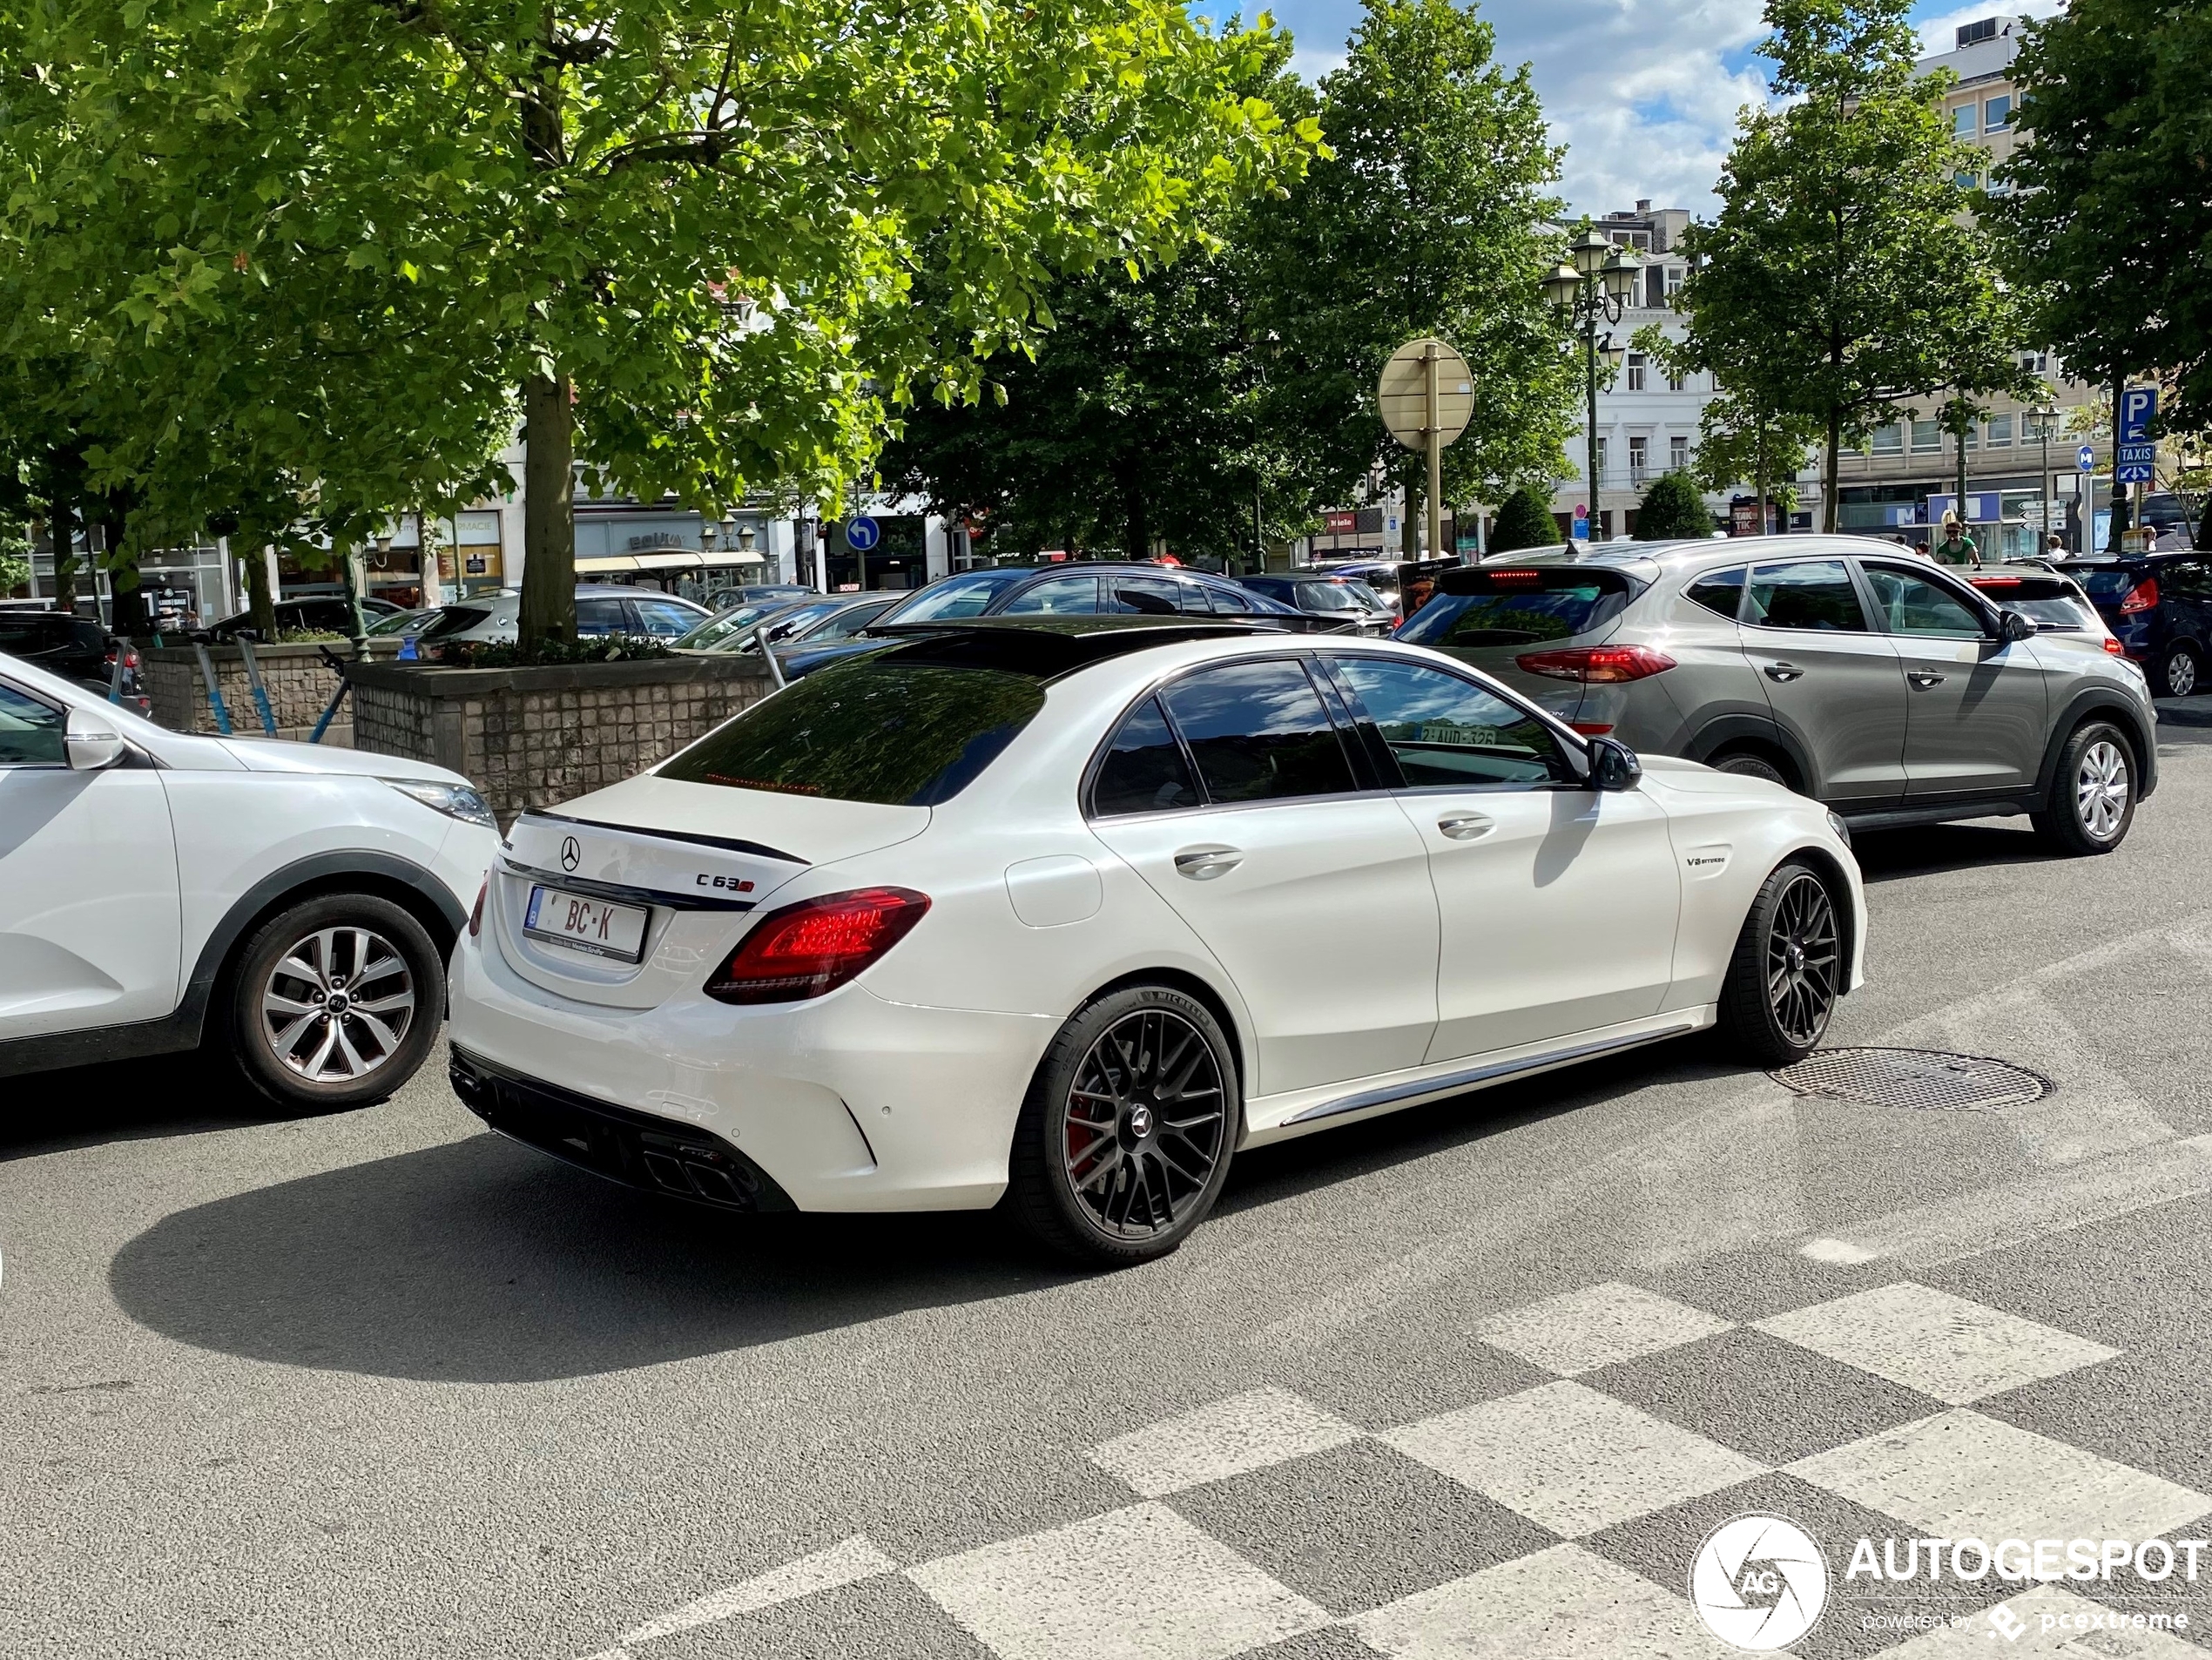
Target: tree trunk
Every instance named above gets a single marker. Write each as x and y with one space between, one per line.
260 603
67 470
1137 524
549 513
1832 471
128 613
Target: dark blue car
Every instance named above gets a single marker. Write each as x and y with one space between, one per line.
2158 606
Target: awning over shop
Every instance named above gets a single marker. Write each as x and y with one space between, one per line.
607 564
674 559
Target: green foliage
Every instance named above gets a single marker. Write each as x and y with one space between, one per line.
304 255
604 648
1524 520
15 556
1839 280
309 637
2108 220
1672 508
1428 220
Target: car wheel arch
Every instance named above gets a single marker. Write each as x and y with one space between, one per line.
2097 705
1195 986
385 875
1766 738
1840 891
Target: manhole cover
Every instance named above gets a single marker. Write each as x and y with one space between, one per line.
1927 1080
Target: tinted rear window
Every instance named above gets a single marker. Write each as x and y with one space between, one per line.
35 631
2105 579
1510 607
907 729
455 619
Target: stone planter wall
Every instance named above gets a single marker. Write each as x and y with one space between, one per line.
298 684
535 737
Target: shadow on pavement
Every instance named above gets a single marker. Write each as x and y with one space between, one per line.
1886 855
86 1106
480 1261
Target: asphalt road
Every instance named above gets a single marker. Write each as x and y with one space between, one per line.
1475 1380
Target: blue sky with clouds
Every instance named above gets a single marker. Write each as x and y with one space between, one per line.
1644 93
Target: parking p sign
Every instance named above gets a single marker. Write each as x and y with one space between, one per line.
2137 405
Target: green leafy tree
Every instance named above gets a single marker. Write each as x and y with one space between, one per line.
1841 278
1428 220
2106 223
1672 508
676 242
1524 520
14 555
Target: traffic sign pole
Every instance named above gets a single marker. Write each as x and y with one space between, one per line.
1435 435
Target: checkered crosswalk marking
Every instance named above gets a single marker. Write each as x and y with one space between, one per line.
1564 1462
1943 1345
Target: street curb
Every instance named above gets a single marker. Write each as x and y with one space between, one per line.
2185 711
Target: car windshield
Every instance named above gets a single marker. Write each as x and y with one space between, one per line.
454 619
402 622
965 595
723 628
1509 607
910 728
1339 594
845 623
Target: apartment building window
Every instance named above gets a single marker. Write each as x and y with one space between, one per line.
1967 178
1636 447
1636 363
1675 275
1677 454
1962 120
1926 440
1604 467
1890 440
1676 381
2036 362
1970 435
1997 113
1654 286
2000 432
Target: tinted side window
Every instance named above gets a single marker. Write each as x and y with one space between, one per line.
1145 772
31 732
24 632
1258 733
664 619
2190 578
1910 604
601 617
1815 595
1719 592
1061 597
1151 596
1445 731
1229 601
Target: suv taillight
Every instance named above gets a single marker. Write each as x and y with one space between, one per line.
1602 664
2143 597
812 947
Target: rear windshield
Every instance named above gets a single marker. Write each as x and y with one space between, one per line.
24 631
454 619
1339 594
2105 579
910 728
962 596
1518 607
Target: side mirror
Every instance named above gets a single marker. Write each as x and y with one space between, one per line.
1614 765
2011 626
91 742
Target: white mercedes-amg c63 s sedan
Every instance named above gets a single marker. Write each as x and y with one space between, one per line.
1064 911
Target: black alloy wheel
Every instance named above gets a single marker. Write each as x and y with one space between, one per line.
1788 969
1125 1139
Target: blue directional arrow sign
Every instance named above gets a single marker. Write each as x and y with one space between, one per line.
2132 472
862 533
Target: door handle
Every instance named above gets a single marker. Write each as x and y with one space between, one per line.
1923 676
1203 864
1465 827
1783 671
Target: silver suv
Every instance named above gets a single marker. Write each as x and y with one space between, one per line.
1851 672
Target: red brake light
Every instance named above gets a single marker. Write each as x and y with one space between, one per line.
1603 664
477 911
2143 597
816 945
1515 578
1994 581
2115 647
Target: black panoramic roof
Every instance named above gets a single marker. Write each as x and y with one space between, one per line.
1048 646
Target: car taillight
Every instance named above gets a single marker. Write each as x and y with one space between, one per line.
477 911
812 947
2143 597
1592 728
1602 664
2113 647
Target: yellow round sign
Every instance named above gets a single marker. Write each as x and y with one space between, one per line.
1403 393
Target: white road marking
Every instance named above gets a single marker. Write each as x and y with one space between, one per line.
1246 1432
1140 1583
841 1564
1563 1603
1570 1458
1961 1475
1943 1345
1599 1325
2029 1207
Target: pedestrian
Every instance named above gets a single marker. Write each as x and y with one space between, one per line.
1957 548
2053 546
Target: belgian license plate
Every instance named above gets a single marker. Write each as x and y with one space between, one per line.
582 923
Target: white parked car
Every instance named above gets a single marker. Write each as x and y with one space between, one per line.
1068 910
290 906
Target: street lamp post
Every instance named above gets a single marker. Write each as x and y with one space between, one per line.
1592 291
2044 414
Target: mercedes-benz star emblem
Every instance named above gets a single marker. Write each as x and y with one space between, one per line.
571 855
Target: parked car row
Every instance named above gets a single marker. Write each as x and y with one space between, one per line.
77 648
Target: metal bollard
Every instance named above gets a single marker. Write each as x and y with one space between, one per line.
214 692
253 679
